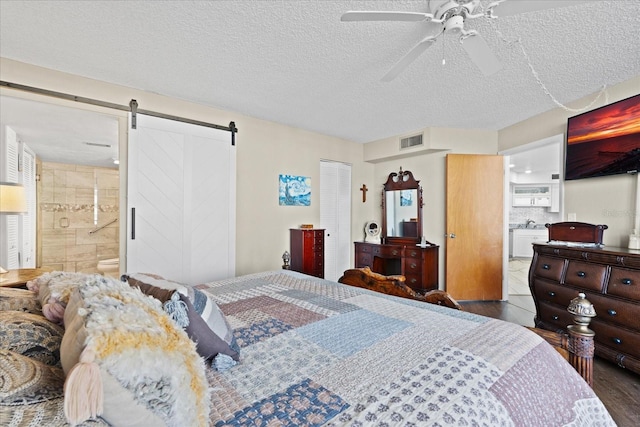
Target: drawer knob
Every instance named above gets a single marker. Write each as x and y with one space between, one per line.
617 341
551 294
581 274
555 317
612 312
394 252
546 267
414 253
413 265
413 280
626 281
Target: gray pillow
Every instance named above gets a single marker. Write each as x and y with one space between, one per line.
31 335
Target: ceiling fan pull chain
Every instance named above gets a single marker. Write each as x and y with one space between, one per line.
544 88
443 60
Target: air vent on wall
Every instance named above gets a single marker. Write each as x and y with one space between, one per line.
411 141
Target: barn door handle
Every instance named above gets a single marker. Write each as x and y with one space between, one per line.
133 223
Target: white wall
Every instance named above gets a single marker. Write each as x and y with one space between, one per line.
264 150
430 170
607 200
267 149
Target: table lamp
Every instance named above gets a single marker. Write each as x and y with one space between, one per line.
12 202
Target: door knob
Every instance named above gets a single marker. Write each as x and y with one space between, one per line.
451 235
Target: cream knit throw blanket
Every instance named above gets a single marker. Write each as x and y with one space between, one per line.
127 336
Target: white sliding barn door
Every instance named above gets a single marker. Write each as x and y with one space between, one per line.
181 201
335 217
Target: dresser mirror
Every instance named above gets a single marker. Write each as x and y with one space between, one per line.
402 209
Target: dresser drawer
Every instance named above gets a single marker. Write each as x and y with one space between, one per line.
388 251
364 260
610 310
553 292
624 283
585 276
318 234
413 281
552 314
364 248
412 266
619 339
413 253
549 268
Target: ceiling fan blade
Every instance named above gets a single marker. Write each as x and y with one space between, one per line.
385 16
514 7
411 56
481 55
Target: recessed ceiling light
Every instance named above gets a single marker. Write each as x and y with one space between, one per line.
512 165
527 171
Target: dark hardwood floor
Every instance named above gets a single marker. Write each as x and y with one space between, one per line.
619 389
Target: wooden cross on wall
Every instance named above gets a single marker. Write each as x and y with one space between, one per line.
364 190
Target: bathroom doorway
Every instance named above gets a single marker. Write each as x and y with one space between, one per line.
78 178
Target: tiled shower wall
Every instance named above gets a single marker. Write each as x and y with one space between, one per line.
66 216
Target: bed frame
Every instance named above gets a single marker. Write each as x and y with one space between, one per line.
576 347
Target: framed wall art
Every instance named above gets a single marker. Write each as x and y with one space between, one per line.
295 190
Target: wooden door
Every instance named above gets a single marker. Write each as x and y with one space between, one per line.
474 226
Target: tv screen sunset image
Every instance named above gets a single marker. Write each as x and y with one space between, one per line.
605 141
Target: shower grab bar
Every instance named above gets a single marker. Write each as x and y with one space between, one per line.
95 230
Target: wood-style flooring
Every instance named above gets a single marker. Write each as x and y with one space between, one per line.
619 389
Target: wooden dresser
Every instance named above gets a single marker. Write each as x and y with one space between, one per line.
419 265
307 251
610 279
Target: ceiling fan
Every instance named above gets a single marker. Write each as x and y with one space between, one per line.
449 16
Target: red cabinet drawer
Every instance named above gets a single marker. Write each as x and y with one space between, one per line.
553 292
586 276
553 315
619 339
549 268
611 310
307 251
624 283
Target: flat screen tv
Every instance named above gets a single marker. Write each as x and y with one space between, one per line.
604 141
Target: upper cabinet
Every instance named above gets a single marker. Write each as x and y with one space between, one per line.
532 195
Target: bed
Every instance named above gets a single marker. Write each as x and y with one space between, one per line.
315 352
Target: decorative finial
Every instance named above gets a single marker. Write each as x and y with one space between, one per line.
582 311
286 258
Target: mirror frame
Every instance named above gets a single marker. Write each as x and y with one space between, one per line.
402 180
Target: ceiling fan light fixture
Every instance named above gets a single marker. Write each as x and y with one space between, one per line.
455 24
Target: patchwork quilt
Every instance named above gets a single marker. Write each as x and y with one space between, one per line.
319 353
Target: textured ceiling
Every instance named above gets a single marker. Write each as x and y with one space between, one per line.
296 63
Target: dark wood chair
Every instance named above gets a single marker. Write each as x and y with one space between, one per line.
576 345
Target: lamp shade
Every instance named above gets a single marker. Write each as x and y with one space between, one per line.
12 198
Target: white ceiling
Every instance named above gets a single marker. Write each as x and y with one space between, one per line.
296 63
61 134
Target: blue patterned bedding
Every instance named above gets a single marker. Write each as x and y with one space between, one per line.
320 353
